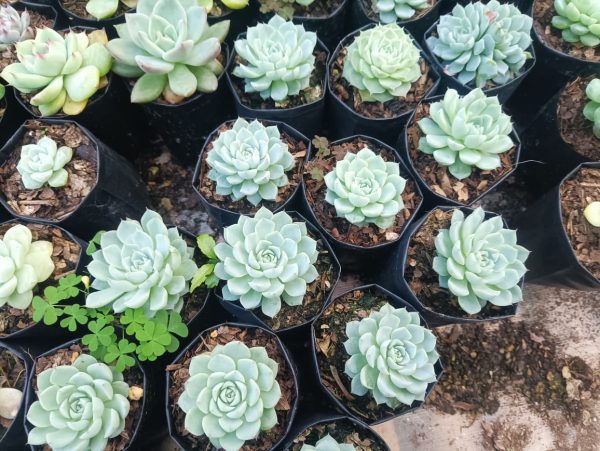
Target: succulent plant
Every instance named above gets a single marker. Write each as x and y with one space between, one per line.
23 264
479 43
14 27
231 394
395 10
278 59
141 265
249 161
382 63
479 261
592 108
64 72
43 163
169 46
103 9
392 356
266 259
80 406
328 443
364 189
466 132
579 21
592 213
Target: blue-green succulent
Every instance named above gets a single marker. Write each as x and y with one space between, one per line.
579 21
397 10
44 163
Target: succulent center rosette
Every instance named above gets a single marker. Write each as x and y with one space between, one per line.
579 21
14 27
396 10
592 107
43 163
104 9
328 443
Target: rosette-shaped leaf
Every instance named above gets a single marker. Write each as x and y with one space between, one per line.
579 21
44 162
266 259
103 9
395 10
249 161
479 261
64 71
278 59
592 108
141 265
231 394
23 264
14 27
328 443
364 188
169 45
382 63
80 406
392 356
466 132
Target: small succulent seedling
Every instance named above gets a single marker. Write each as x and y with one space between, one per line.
205 275
579 21
14 27
592 107
328 443
104 9
396 10
592 213
44 163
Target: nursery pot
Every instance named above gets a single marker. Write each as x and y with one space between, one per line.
345 121
46 9
118 191
74 20
171 404
380 416
224 216
393 278
13 115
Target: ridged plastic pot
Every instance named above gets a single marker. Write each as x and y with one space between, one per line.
73 20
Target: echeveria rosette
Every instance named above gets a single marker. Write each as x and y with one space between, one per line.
396 10
392 356
592 107
14 26
24 264
579 21
141 265
366 189
80 406
63 72
170 48
44 163
278 59
265 260
104 9
382 63
328 443
249 161
479 261
231 394
466 132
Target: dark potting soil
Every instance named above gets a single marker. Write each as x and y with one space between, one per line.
543 11
575 194
377 110
12 375
133 376
53 204
575 129
322 163
424 281
343 431
314 92
208 187
65 256
221 336
373 14
77 7
438 177
318 8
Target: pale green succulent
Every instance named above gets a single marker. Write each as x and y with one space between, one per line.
328 443
479 42
579 21
141 265
365 189
266 259
466 132
479 261
44 163
592 108
169 46
64 72
80 406
278 59
231 394
14 27
395 10
392 356
250 161
104 9
382 63
23 264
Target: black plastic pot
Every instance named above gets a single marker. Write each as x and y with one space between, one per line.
396 302
45 9
13 115
119 192
554 262
431 198
31 397
347 122
73 20
181 442
392 277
